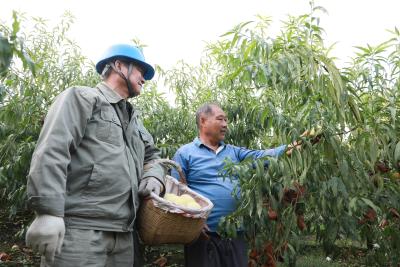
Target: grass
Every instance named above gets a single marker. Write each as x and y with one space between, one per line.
12 244
348 253
314 256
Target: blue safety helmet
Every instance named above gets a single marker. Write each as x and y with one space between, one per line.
126 52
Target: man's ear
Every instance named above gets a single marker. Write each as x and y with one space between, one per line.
118 64
202 120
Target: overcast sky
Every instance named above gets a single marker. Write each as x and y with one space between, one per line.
179 29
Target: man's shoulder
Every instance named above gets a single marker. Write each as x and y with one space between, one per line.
84 91
186 148
80 92
233 147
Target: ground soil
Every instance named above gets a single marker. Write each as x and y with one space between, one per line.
13 251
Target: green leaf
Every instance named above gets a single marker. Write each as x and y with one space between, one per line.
334 186
6 54
259 202
249 49
370 203
397 152
353 205
15 25
373 151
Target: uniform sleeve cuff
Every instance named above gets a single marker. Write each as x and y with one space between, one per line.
52 205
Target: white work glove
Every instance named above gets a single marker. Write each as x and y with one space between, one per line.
46 235
150 184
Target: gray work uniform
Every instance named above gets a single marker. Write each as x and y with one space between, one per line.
84 168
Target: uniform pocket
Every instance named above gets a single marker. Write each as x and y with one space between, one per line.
94 184
146 138
109 127
78 178
107 186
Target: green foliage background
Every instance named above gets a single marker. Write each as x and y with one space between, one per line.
272 89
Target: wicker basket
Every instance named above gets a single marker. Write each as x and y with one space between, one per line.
162 222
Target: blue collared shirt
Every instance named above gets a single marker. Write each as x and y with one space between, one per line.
202 168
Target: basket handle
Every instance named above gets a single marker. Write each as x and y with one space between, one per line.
171 163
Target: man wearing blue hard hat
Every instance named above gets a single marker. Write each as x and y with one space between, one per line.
92 160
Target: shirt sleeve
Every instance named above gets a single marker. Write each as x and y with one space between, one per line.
244 153
179 158
151 154
61 133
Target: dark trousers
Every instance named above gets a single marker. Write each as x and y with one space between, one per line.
216 252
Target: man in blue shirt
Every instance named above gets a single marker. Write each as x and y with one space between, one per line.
202 161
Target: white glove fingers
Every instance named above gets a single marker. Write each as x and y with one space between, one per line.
31 237
60 242
144 184
149 185
157 190
143 191
35 247
45 235
49 253
42 248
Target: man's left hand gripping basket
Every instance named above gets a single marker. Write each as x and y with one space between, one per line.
163 222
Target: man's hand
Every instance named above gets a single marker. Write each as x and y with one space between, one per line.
314 134
291 146
308 133
150 184
46 235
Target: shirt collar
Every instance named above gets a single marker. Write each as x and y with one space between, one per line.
198 142
111 96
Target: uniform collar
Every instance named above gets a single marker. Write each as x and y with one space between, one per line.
111 96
